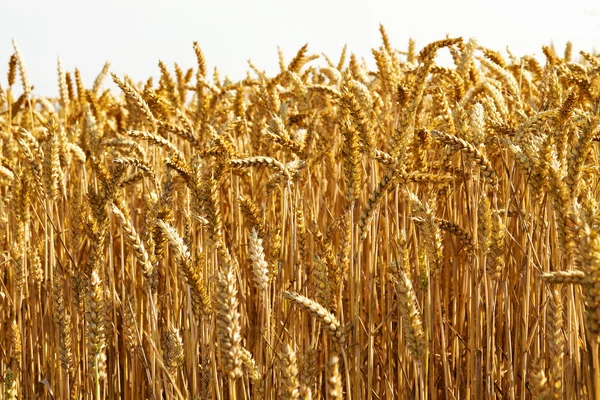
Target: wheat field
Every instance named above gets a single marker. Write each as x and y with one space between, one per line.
334 231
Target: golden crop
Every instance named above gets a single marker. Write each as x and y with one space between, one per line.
330 232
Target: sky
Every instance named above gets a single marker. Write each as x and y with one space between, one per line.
133 35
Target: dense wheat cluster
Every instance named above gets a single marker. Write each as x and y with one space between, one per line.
413 231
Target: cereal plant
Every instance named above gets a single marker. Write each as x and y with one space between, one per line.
334 231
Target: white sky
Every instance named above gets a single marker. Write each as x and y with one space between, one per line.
133 35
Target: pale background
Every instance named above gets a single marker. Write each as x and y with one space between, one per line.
134 35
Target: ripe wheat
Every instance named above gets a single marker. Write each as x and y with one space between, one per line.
413 231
